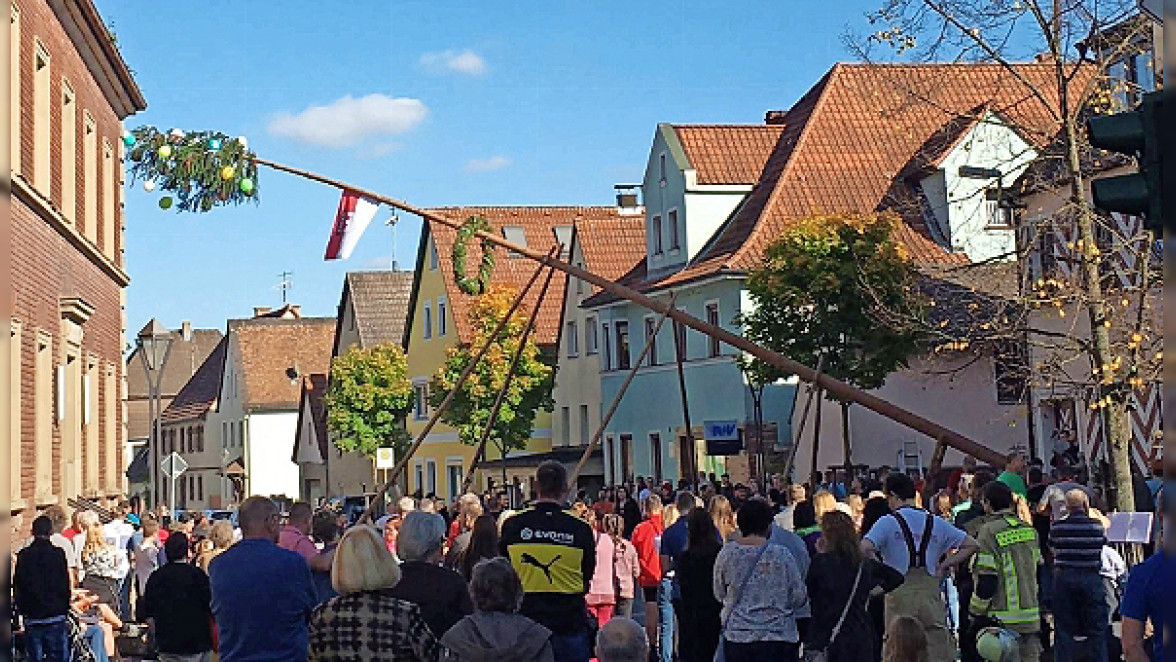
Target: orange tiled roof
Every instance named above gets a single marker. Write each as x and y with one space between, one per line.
538 225
276 354
846 141
611 245
728 153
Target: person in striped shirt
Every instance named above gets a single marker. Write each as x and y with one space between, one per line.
1080 606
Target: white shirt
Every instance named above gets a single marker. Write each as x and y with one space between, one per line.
146 560
891 545
118 533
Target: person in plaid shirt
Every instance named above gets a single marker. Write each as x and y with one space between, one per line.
365 622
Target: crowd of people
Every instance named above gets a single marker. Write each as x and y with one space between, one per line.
979 564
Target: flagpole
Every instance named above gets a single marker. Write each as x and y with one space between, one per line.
834 387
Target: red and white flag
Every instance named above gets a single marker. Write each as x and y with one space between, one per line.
355 212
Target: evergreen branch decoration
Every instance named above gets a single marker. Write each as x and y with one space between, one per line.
472 286
203 169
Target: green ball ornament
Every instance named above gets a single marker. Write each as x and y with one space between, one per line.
165 202
165 151
228 172
246 186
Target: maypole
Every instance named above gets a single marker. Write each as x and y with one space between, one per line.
208 169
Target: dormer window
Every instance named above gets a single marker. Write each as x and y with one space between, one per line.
516 235
563 235
998 213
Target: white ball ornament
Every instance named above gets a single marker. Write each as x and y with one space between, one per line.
176 133
149 185
244 143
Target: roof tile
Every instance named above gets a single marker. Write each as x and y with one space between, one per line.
728 153
276 353
380 301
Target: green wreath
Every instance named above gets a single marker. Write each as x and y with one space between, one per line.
472 286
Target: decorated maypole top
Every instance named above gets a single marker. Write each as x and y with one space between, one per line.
202 169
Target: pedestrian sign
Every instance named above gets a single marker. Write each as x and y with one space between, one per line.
173 465
385 458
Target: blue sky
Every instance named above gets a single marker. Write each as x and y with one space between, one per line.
481 103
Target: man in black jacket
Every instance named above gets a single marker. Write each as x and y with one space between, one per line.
40 586
179 599
554 554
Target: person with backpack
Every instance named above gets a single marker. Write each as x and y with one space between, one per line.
913 542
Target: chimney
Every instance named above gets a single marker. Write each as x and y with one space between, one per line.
775 116
627 198
260 311
186 331
295 311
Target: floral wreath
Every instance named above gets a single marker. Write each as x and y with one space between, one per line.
478 285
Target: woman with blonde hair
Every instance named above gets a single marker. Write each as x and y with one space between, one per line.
670 515
723 517
626 567
905 641
103 565
221 538
364 622
823 502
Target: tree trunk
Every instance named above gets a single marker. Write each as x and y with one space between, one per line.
1118 426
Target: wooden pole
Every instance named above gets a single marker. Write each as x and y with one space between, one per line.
612 409
808 403
461 379
817 436
679 357
514 362
836 388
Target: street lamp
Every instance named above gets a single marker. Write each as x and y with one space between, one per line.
154 344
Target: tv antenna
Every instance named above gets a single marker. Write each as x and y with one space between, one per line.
392 222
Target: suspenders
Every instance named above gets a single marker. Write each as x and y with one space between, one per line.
918 559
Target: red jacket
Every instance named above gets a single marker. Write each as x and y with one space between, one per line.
647 540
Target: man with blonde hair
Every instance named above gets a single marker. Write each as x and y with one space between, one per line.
262 595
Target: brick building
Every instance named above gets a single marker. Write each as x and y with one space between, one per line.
70 90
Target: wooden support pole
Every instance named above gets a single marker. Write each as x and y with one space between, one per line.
612 409
514 363
836 388
461 379
679 358
808 403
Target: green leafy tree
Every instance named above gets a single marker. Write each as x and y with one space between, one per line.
529 390
368 396
822 291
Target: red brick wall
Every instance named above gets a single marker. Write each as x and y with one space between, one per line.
46 266
37 21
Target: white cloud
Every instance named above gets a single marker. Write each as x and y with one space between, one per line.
487 165
463 62
348 120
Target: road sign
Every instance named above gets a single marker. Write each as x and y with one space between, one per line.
173 465
385 458
722 437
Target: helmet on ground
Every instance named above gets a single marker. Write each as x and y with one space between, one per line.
996 644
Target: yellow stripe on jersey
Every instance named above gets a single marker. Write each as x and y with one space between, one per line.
546 568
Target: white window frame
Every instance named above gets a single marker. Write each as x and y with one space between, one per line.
565 422
662 168
591 339
434 259
648 328
427 321
420 397
675 234
606 357
714 348
655 233
572 333
441 307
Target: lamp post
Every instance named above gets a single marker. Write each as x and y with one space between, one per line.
154 344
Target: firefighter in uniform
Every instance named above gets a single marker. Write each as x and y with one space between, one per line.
1006 569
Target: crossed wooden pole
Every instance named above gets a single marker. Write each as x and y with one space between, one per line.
833 387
